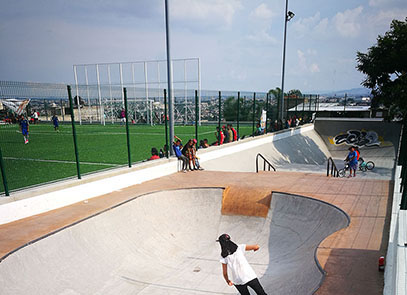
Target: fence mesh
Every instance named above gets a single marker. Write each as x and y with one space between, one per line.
101 134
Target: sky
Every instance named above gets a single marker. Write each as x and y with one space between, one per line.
239 42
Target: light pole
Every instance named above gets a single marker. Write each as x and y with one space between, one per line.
287 17
169 73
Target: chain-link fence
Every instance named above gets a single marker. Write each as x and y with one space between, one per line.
39 142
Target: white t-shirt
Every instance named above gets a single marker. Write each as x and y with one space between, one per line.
242 272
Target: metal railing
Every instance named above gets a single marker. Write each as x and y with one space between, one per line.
331 168
265 161
402 160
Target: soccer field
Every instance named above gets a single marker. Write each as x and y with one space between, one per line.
50 156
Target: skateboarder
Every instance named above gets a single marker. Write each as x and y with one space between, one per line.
242 273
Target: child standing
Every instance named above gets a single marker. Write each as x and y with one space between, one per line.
242 273
55 121
24 127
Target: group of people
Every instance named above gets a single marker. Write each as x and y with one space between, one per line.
226 135
287 123
155 154
187 154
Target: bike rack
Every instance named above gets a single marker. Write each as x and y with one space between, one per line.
331 164
264 163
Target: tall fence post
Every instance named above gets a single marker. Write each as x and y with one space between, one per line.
62 111
220 115
166 123
296 104
254 112
78 171
238 114
267 112
196 116
288 106
46 109
127 125
344 105
3 175
303 108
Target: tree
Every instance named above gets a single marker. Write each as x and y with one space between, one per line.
385 67
230 109
293 93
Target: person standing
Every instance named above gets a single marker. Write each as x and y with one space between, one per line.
232 256
353 161
55 121
234 132
24 127
123 117
225 134
35 115
219 136
230 133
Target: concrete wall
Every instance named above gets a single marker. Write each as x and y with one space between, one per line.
294 149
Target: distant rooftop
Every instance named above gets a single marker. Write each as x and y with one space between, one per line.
331 107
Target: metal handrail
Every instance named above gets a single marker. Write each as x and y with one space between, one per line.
402 159
264 163
334 170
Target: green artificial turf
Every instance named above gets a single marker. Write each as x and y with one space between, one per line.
50 156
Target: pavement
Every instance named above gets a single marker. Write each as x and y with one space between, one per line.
154 241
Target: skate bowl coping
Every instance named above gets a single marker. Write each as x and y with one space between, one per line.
164 243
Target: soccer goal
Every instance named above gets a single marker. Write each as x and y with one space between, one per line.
98 90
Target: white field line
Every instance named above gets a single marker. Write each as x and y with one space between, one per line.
60 161
66 133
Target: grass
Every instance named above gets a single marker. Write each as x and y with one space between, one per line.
50 156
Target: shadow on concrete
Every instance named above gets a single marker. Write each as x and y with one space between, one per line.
299 149
355 271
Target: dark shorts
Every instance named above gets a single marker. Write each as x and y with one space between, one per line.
353 165
24 131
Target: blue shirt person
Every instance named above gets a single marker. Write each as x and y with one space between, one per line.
55 121
24 127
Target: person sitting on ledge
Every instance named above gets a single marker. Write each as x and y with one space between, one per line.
177 147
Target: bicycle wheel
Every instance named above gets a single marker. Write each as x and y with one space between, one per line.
341 173
363 168
369 165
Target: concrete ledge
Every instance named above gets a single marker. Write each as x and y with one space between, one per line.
396 258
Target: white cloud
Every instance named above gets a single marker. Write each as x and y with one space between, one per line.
314 68
262 12
262 36
205 10
377 2
302 60
303 63
387 3
347 23
311 25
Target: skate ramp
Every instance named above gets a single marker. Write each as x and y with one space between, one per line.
378 141
305 151
164 243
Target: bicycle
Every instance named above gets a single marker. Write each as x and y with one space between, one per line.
342 172
364 166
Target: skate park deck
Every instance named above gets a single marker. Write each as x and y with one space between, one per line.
348 256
